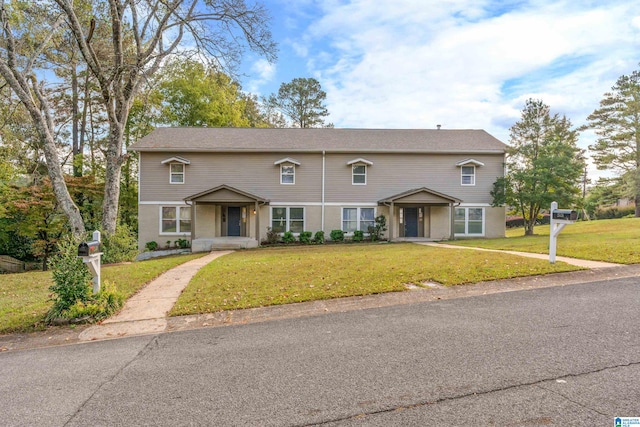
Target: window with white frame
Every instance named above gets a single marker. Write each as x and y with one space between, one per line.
175 219
357 219
468 175
287 173
359 174
469 222
287 219
176 173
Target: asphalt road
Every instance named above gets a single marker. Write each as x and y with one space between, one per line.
566 356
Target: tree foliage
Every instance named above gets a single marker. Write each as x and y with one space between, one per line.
194 94
617 124
543 164
302 100
116 46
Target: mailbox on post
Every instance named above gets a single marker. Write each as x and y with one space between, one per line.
559 219
88 248
90 254
564 215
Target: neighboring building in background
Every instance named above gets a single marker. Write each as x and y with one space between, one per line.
205 184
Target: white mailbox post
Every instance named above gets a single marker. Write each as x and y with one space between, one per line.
559 218
90 254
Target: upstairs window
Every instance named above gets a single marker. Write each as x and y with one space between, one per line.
359 175
287 174
176 174
177 169
287 170
359 171
468 175
468 171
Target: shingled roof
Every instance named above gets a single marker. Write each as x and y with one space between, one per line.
184 139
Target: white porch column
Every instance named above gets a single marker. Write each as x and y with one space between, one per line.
193 220
391 217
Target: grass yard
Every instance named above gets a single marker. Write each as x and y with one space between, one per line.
25 298
610 240
273 276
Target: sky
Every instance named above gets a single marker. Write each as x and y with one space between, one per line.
461 64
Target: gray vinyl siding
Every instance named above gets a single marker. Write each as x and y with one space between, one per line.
250 172
390 174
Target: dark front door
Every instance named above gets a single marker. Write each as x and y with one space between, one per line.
234 218
410 222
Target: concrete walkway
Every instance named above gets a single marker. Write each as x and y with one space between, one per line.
146 311
573 261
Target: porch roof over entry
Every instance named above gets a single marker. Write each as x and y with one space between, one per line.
421 195
225 194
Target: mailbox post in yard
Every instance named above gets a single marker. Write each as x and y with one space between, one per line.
559 218
90 254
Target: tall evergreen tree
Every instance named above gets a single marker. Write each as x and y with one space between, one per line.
302 100
617 123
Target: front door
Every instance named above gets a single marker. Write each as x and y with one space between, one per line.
234 219
410 222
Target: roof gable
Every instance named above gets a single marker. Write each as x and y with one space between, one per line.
176 159
225 194
359 160
467 162
287 160
421 195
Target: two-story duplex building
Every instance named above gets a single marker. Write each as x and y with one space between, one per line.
213 184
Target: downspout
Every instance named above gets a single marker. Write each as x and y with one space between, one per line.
390 229
323 179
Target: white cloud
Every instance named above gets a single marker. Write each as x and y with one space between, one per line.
466 63
265 72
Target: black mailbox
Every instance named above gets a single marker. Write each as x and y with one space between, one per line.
88 248
565 214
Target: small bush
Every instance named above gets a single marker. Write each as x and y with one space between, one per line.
73 288
100 306
376 231
272 236
151 246
615 212
358 236
288 237
71 278
182 243
119 247
305 237
319 237
337 235
518 221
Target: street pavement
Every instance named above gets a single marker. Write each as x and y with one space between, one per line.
558 355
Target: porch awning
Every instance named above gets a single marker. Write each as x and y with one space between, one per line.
422 195
226 194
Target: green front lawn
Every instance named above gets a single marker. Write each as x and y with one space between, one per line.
275 276
611 240
25 298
